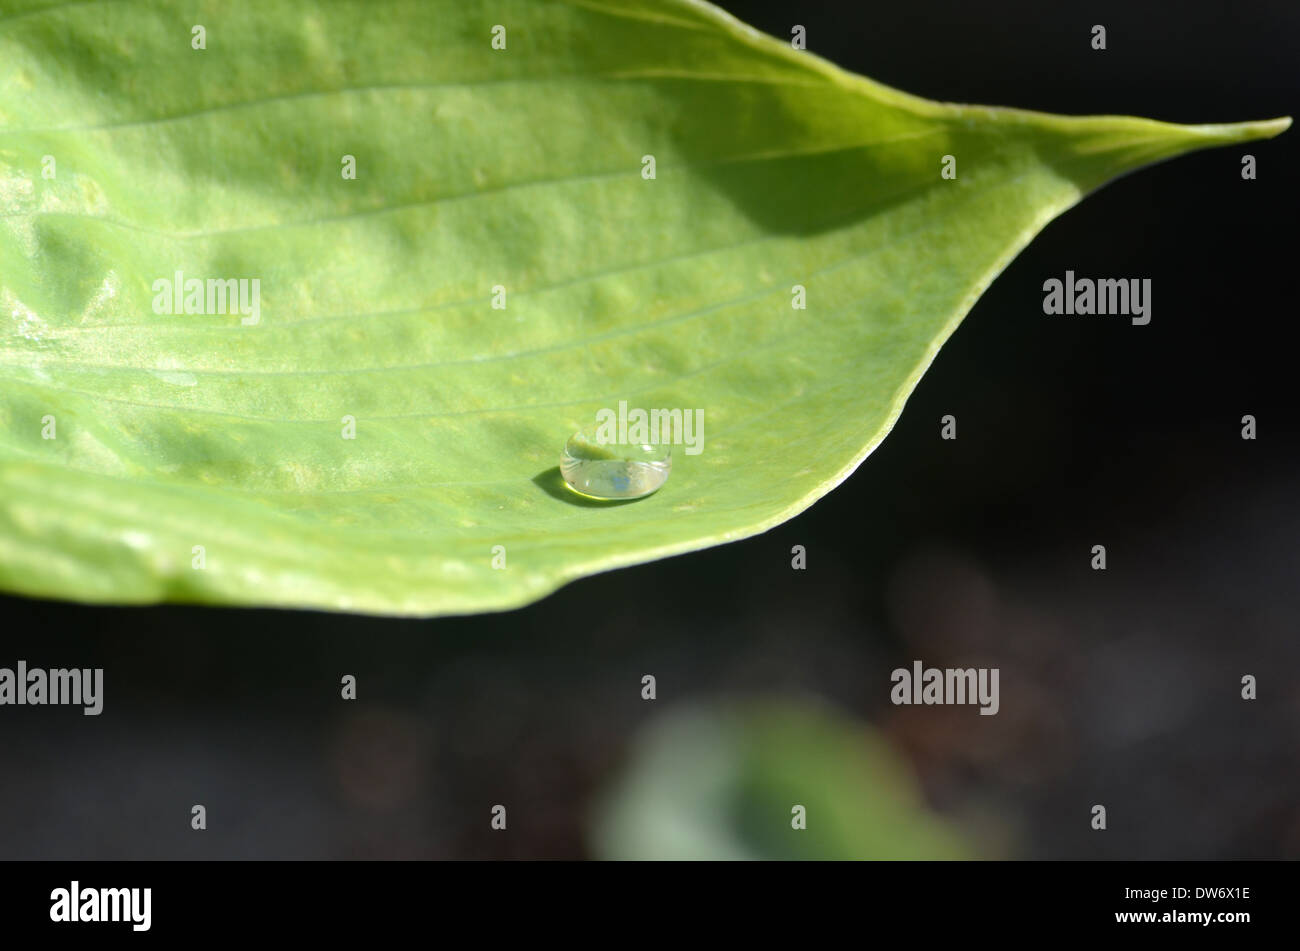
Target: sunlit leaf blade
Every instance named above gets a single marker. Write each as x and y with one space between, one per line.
476 168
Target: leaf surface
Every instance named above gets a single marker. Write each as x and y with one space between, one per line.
477 168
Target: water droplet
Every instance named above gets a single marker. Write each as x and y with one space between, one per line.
613 470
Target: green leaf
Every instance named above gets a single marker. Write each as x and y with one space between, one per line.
722 784
476 167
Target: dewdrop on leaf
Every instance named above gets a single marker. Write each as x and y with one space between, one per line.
611 470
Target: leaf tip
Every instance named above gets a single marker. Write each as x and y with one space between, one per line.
1243 131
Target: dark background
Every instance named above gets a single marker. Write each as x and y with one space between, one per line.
1119 687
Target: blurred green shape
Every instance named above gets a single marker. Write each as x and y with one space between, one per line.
723 783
